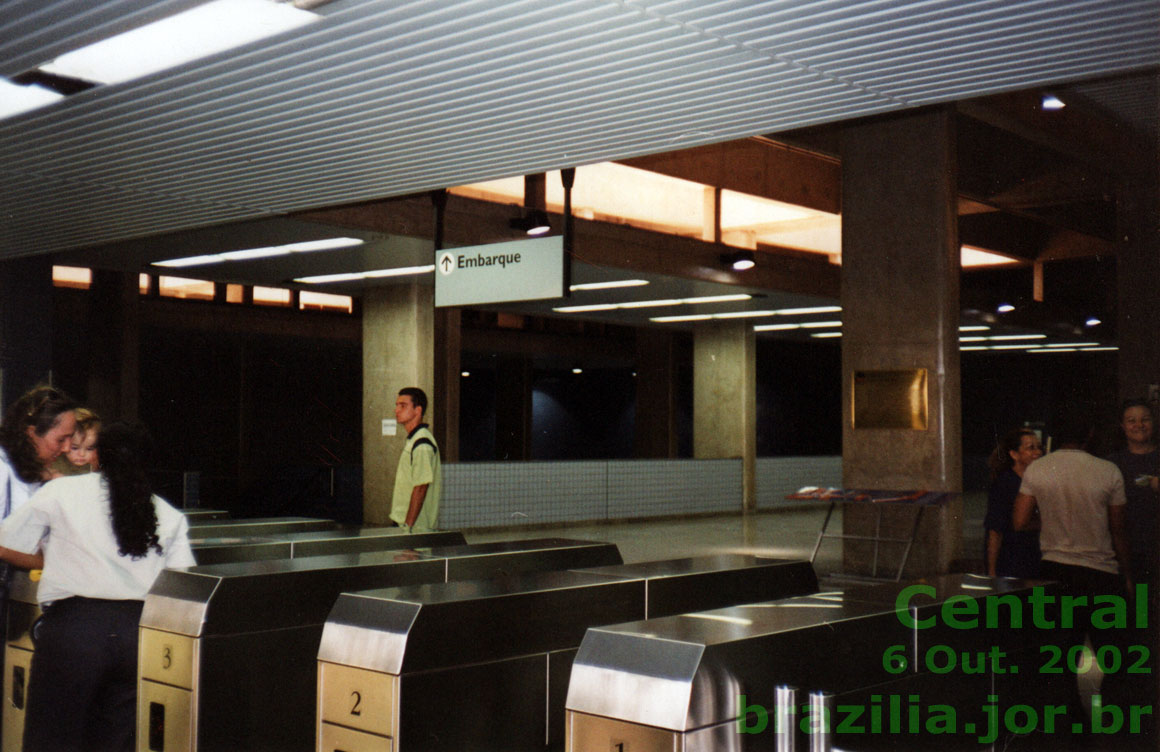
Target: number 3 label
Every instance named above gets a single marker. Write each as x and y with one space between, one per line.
166 657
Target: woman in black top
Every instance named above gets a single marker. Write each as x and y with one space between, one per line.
1010 553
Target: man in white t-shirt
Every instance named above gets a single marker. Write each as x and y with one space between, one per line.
1077 502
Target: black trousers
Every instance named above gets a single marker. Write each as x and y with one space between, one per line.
82 694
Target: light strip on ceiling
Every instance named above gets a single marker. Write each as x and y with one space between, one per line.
974 328
1073 344
15 99
1014 347
799 311
826 335
308 246
997 337
970 348
1056 350
775 327
972 339
401 271
193 34
653 303
614 284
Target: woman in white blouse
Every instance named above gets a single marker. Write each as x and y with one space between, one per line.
103 538
34 432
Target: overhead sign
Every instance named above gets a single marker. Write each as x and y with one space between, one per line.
531 269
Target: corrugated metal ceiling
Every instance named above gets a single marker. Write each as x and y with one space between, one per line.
383 98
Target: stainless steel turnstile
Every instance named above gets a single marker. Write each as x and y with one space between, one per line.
23 608
259 527
205 514
484 665
228 652
696 682
210 550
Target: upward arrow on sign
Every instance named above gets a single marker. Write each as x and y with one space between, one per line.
446 263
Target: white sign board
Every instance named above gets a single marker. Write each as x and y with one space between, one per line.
531 269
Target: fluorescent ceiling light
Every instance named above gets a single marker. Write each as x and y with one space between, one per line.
1005 308
401 271
15 99
673 319
1098 349
972 339
819 324
743 315
974 328
653 303
587 308
826 335
1073 344
775 327
196 33
969 348
1056 350
1051 102
1014 347
1016 336
1093 321
609 285
815 309
264 252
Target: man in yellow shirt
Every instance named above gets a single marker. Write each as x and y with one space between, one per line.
419 477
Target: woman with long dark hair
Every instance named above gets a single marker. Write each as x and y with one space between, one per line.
1009 552
104 537
34 432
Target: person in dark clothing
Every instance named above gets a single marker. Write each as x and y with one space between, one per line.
1009 552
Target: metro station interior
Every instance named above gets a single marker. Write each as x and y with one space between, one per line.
239 251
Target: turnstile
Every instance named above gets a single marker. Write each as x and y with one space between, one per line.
713 680
205 514
317 543
228 652
484 665
257 527
23 609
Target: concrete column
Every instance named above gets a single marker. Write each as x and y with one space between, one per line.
724 397
655 420
25 326
448 344
900 300
398 351
1138 278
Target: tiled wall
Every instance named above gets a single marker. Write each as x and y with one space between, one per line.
494 494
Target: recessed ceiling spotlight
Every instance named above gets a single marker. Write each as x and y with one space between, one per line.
577 370
1051 103
465 374
1005 308
1093 321
739 261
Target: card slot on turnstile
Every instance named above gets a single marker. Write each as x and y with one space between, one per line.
164 718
